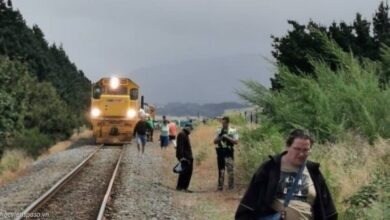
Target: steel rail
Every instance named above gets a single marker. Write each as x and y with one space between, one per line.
109 188
48 194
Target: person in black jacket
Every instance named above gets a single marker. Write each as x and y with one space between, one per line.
140 133
269 185
184 155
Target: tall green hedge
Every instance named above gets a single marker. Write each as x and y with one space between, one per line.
334 102
31 112
42 93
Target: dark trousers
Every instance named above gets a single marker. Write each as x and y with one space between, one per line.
225 159
185 177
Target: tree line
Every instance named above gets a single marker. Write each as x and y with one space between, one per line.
43 95
331 80
363 38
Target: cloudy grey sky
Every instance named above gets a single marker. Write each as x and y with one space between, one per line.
179 50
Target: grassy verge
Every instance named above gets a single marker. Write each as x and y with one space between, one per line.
356 173
63 145
16 162
12 165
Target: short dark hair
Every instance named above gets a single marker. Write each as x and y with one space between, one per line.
226 118
299 133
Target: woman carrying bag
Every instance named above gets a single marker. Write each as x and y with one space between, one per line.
184 155
288 186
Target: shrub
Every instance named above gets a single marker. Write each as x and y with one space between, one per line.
256 145
12 165
333 103
371 201
32 141
10 161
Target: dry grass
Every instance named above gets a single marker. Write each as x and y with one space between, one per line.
205 202
63 145
15 163
347 166
350 165
12 165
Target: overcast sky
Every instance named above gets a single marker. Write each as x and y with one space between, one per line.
137 38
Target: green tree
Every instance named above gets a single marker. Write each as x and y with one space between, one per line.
46 104
47 63
295 49
363 44
43 95
342 34
335 101
381 23
14 81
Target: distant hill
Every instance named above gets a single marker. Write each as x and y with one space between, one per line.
193 109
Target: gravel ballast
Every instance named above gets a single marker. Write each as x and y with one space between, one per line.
139 193
81 197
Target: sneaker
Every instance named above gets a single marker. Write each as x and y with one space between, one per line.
220 188
188 191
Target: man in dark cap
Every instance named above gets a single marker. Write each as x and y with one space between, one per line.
184 155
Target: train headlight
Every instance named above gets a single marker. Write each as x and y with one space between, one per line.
131 113
95 112
114 83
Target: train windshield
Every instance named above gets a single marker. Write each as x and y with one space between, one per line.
121 90
133 94
97 92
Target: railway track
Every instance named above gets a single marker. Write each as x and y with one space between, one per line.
84 192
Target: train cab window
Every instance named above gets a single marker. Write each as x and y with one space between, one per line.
134 94
97 92
121 90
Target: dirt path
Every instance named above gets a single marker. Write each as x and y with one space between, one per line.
205 202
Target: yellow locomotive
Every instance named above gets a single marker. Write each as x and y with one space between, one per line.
114 109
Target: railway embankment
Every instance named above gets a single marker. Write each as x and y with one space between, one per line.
139 190
42 174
